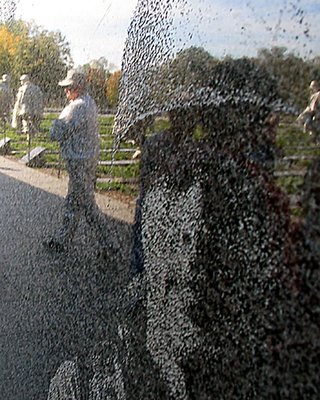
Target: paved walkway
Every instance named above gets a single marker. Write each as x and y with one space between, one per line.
58 186
52 307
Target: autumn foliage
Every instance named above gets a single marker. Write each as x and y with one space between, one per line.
43 55
112 88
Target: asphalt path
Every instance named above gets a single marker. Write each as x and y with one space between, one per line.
52 307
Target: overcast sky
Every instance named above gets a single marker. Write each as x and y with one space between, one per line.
96 28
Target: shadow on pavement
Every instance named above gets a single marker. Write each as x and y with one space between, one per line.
52 307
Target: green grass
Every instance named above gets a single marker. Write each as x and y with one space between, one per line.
290 184
289 138
130 190
292 141
130 171
19 144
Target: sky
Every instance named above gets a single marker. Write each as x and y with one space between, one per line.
93 28
96 28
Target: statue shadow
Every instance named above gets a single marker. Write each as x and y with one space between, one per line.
53 306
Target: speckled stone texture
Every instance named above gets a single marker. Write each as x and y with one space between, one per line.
231 288
224 301
231 280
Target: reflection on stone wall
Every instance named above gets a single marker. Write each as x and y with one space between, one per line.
230 304
226 303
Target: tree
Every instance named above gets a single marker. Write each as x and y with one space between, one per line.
192 66
8 48
315 68
97 74
112 89
45 56
292 73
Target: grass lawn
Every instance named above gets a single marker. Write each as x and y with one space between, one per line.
291 140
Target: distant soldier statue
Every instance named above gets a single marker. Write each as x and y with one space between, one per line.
28 109
76 130
310 117
6 98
